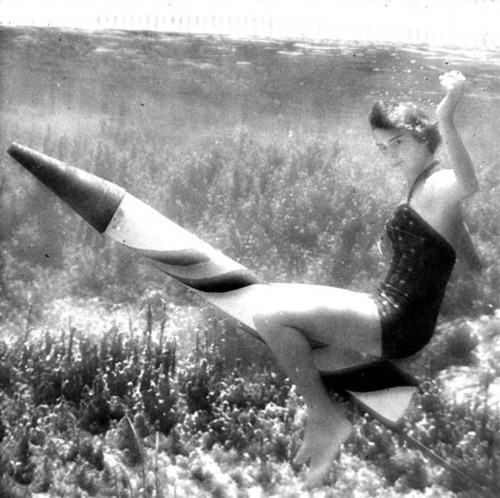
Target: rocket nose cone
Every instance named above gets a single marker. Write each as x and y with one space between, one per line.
93 198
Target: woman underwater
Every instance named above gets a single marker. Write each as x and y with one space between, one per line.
426 233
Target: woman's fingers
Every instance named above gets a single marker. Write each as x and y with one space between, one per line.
454 83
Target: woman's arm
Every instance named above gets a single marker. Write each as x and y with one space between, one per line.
454 83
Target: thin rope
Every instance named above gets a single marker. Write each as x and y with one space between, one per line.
400 431
442 462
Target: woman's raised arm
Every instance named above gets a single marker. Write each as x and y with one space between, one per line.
454 83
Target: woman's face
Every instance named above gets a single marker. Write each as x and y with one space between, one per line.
402 150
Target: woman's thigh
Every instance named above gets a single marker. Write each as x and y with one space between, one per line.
328 315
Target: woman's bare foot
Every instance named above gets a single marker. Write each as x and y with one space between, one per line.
326 431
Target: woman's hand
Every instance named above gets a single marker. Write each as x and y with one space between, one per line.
454 83
466 183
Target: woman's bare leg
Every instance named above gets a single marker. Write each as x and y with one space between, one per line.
327 428
303 313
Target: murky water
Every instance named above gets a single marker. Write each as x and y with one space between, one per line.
122 73
180 88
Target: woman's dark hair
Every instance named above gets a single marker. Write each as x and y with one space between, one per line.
407 117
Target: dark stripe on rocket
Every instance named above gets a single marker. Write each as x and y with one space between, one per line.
226 282
183 257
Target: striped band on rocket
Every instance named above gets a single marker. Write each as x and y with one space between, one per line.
187 259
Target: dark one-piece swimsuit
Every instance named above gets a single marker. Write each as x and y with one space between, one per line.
409 298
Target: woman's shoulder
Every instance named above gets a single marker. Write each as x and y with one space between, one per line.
443 182
442 174
439 197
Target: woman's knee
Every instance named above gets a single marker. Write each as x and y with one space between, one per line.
267 319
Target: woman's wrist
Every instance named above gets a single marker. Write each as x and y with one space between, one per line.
446 120
446 111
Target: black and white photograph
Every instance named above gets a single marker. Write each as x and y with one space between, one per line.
249 249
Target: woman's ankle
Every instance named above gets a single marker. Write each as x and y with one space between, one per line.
325 408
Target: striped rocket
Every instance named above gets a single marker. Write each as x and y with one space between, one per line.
377 386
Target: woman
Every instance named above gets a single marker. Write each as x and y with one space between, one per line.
426 233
